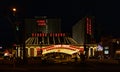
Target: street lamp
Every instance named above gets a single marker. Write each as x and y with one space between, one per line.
41 50
14 10
15 27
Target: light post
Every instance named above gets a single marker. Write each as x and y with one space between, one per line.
15 32
41 50
14 11
14 22
19 31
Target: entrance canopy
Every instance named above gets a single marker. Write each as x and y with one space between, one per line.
68 49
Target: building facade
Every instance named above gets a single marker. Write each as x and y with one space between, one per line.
83 33
43 36
42 24
111 47
83 30
41 44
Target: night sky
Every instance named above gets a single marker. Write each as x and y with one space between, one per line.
106 14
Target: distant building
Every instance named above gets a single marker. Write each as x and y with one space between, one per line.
42 24
111 47
83 30
83 33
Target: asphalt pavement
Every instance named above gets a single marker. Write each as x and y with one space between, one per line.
87 66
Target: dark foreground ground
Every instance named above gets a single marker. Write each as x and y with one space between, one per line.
87 66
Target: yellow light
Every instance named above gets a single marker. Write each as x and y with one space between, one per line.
14 9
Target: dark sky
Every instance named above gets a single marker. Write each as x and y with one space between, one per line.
106 13
107 16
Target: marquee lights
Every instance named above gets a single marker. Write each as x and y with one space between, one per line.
50 34
70 47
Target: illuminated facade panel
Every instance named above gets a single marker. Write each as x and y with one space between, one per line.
42 25
83 32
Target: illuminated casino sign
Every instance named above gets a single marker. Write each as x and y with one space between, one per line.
41 22
89 26
45 34
60 47
69 49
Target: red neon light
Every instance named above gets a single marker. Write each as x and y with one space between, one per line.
51 34
45 34
60 48
72 46
60 34
90 32
37 34
42 34
87 21
89 27
32 34
63 34
56 34
38 49
63 47
41 22
81 49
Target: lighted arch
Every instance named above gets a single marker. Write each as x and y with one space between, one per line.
62 50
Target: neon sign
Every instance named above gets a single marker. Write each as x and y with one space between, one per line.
41 22
89 26
74 48
51 34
